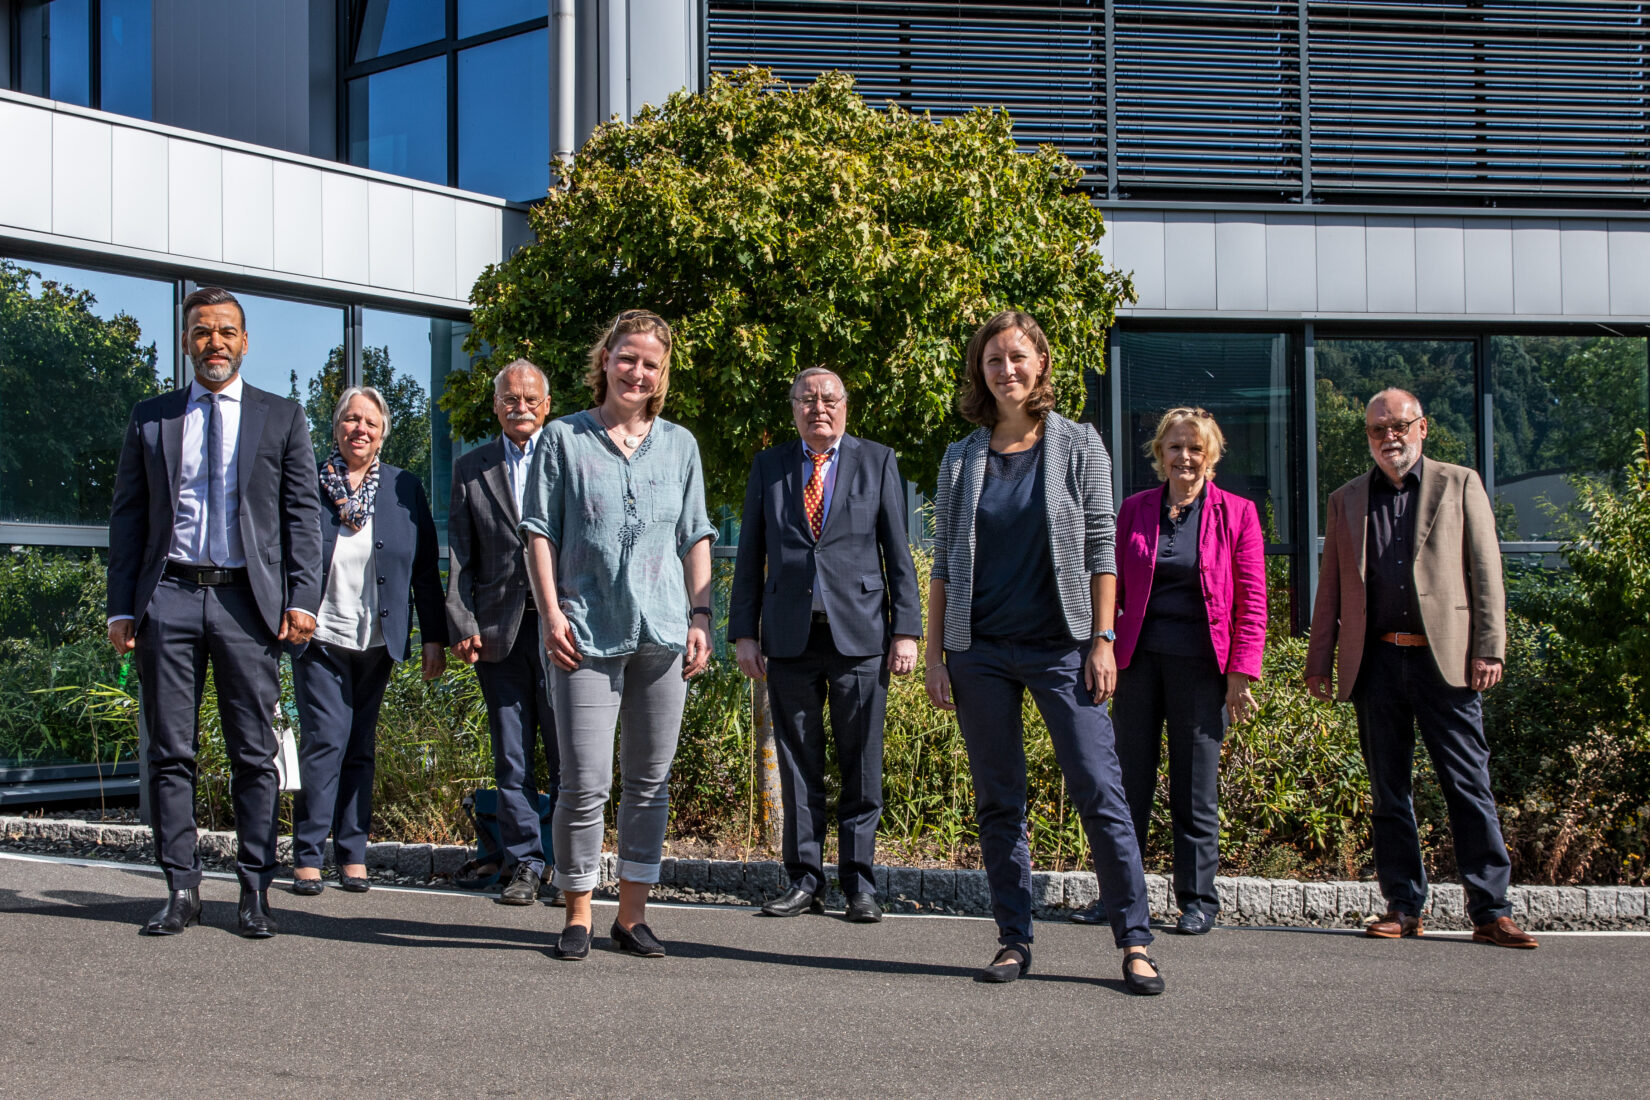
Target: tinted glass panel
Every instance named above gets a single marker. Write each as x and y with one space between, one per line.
408 359
296 350
504 117
398 121
127 42
476 16
388 26
69 49
1564 406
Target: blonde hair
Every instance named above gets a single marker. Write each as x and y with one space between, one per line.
628 323
1208 433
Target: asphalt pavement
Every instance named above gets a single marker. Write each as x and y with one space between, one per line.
432 993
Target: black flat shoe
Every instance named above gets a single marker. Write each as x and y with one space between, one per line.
182 908
863 909
307 887
573 943
252 917
1194 922
1010 961
1138 985
639 941
355 884
1091 914
796 901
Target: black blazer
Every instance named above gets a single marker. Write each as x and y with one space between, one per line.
280 504
405 553
870 581
486 565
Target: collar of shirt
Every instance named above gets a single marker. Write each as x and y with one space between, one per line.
521 452
1412 479
231 392
829 452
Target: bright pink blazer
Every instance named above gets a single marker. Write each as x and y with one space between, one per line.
1231 555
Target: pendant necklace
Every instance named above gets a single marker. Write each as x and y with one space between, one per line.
631 442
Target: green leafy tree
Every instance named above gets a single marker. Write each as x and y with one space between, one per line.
779 228
409 443
68 381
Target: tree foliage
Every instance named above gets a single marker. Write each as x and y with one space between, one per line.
779 228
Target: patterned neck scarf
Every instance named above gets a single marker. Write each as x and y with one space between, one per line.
354 508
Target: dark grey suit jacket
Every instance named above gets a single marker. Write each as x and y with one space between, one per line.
862 553
486 562
280 504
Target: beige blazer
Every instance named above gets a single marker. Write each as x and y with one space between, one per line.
1456 571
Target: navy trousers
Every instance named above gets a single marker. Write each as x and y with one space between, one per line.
338 692
520 719
857 689
1189 694
988 682
1398 688
184 628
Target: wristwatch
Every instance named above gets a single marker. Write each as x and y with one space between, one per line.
1104 636
705 611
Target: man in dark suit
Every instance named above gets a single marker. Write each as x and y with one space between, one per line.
491 613
1410 587
833 613
214 555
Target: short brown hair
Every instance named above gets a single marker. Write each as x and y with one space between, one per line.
628 323
211 296
977 404
1208 433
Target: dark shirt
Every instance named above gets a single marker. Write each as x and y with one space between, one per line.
1389 555
1015 598
1177 619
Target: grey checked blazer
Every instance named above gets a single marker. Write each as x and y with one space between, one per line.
1082 527
486 567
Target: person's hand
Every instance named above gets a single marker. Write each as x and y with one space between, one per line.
1320 687
559 643
1486 673
902 658
937 679
698 648
1240 703
435 660
468 649
122 636
296 627
1100 670
749 655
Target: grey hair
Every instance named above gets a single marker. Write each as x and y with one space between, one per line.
811 371
519 365
370 394
1394 391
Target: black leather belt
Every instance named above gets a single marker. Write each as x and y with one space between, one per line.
821 617
205 576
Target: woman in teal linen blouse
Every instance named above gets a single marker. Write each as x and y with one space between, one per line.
618 547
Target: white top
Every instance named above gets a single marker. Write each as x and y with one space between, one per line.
349 610
189 522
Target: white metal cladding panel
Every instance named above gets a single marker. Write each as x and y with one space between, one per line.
26 195
1488 255
1189 260
1240 261
1630 268
1440 266
1341 265
1291 263
80 178
297 217
1139 249
194 199
1537 283
344 224
435 245
248 210
480 233
662 44
139 217
1389 264
390 239
1584 267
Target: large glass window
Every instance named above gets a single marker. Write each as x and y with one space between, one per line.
296 350
125 39
59 57
77 350
504 117
381 27
1564 406
398 121
479 16
407 358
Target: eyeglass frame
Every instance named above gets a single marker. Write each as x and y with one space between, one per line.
511 401
1400 429
824 401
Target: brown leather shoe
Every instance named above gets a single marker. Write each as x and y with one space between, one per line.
1502 932
1394 924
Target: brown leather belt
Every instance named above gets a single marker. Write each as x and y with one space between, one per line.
205 576
1405 639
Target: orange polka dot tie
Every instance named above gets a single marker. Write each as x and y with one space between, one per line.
813 497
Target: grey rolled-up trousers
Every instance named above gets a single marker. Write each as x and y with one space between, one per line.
643 692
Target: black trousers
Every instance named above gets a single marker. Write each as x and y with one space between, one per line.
1398 688
339 692
1189 694
520 720
857 689
184 628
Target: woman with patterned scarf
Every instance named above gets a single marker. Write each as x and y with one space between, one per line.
379 553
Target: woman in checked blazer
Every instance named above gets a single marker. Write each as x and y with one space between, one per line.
1021 598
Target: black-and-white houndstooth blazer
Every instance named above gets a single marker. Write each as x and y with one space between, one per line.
1082 527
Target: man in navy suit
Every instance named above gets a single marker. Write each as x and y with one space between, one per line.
835 611
214 556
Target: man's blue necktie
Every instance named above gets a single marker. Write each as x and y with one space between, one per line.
217 525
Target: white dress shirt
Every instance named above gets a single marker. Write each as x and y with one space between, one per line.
189 534
517 461
349 608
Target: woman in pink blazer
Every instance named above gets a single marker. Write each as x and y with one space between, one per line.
1191 625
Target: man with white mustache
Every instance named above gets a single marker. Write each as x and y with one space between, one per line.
1410 587
490 612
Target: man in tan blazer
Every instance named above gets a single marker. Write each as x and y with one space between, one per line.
1410 588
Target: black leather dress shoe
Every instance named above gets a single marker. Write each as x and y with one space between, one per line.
550 894
252 917
523 887
795 902
1194 922
183 908
863 909
307 887
1092 914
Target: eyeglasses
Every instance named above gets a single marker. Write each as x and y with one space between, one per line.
822 400
510 401
1399 428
